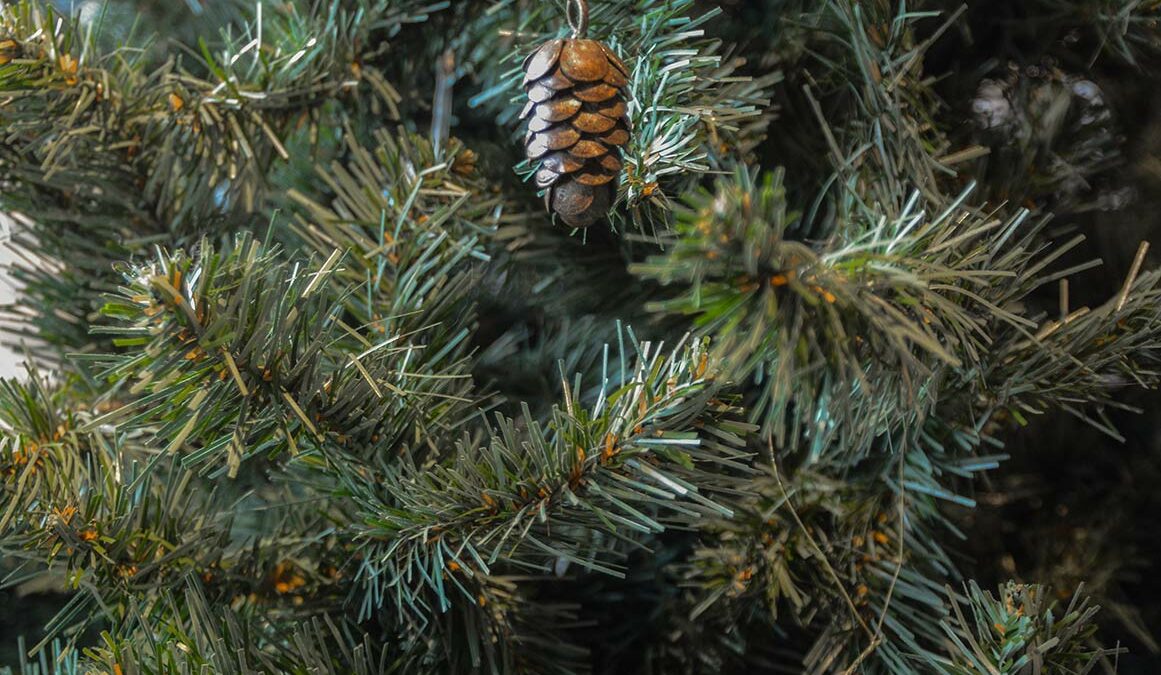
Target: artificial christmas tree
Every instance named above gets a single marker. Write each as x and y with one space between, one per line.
316 384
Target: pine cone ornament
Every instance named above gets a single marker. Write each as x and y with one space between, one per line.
577 125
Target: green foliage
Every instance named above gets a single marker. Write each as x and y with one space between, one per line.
237 355
407 219
329 393
182 632
115 152
599 474
856 557
1020 632
87 507
650 453
189 635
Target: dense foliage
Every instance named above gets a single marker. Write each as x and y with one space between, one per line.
317 386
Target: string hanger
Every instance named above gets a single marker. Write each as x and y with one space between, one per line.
578 18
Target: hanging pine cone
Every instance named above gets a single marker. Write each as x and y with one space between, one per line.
577 124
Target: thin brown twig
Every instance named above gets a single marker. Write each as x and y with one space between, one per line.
902 506
877 639
817 549
863 655
1131 278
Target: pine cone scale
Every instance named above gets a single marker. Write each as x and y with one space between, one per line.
618 136
614 110
558 110
540 62
536 125
616 78
561 163
541 92
596 93
594 178
557 81
577 125
612 164
615 60
593 123
584 60
587 149
546 177
562 137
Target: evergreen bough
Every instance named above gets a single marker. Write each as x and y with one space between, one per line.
316 387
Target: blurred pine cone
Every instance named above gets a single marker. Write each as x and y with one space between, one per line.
1053 139
577 124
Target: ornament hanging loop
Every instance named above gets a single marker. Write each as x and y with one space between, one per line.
578 18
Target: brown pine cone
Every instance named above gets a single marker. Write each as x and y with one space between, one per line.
577 124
